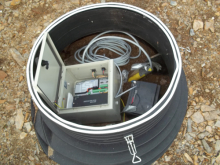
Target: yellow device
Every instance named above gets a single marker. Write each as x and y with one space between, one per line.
138 74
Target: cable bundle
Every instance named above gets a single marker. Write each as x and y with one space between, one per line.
114 44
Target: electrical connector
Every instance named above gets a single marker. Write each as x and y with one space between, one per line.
93 70
103 70
93 73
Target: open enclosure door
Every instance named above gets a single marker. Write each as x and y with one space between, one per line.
48 73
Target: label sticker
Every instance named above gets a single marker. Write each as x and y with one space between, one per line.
90 101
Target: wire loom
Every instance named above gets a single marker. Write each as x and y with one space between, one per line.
75 144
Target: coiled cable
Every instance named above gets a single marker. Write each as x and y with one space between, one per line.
115 44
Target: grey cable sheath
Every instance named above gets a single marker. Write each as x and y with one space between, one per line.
114 44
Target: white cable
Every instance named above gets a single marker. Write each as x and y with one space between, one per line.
125 92
114 44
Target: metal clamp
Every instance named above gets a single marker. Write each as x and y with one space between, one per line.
131 146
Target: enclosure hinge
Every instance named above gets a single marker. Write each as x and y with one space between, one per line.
131 146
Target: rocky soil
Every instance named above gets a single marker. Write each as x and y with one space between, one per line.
196 27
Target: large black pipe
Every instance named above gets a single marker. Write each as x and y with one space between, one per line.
153 137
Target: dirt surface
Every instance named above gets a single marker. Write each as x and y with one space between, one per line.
198 141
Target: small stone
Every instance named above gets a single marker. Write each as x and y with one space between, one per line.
207 90
201 129
27 126
209 129
217 13
202 135
21 78
1 27
167 158
37 149
189 125
32 133
191 32
75 2
195 160
17 56
11 120
193 103
179 38
192 134
189 112
197 99
102 1
2 101
206 108
203 72
164 4
201 99
217 160
206 146
197 117
188 137
211 123
209 3
30 157
217 124
2 75
173 3
26 55
15 2
211 139
209 74
8 3
50 151
23 135
217 146
213 115
197 24
210 25
9 107
19 119
16 13
188 157
26 117
36 157
190 91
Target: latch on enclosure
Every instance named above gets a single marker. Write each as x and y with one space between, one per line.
131 146
45 63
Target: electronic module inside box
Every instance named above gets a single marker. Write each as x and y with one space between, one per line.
91 92
83 93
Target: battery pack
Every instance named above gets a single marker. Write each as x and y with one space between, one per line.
142 98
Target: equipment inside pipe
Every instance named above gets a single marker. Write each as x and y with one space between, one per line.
106 78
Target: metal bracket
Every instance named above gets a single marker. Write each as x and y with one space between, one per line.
131 146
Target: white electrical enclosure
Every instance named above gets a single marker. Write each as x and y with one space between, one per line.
56 81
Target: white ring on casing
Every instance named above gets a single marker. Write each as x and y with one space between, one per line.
112 128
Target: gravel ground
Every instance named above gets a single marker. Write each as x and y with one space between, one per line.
195 25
